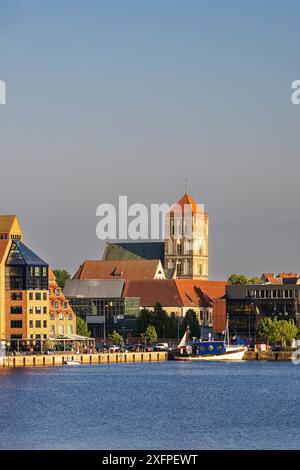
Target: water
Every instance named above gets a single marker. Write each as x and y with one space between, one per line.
171 405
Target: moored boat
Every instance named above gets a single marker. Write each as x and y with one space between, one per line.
72 362
197 350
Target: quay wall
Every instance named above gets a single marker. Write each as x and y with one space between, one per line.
59 359
268 356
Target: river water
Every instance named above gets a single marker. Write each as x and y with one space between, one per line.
170 405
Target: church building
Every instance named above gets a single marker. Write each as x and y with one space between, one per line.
184 253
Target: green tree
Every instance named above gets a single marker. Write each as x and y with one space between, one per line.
143 320
161 321
61 277
254 280
240 279
150 334
82 328
174 326
237 279
268 329
191 320
287 331
116 338
274 330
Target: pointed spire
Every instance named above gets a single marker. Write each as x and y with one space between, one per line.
186 186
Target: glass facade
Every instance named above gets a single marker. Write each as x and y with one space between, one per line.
247 305
25 270
119 314
98 307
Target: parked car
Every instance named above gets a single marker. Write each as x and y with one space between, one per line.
102 348
162 347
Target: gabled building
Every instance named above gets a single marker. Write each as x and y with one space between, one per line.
27 295
152 292
25 291
178 296
128 270
62 319
281 278
200 296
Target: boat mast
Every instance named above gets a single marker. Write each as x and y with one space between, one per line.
226 334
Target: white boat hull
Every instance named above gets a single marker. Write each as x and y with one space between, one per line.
232 354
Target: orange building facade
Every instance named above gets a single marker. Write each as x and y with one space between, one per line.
32 306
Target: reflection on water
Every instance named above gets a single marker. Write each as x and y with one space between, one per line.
168 405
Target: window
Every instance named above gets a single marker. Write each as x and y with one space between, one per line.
45 296
45 324
61 330
38 323
16 296
44 310
37 296
16 324
30 323
30 310
57 292
38 310
61 316
56 304
37 272
70 316
30 295
16 310
65 304
38 336
52 316
52 329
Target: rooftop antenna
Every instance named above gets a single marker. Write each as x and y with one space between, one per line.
186 185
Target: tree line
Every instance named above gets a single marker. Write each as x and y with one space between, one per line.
166 325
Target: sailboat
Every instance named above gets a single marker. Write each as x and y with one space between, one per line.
197 350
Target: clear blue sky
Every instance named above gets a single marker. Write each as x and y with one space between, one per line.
131 97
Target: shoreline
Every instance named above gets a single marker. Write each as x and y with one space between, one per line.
118 358
59 359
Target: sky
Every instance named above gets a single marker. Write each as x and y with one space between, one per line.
130 97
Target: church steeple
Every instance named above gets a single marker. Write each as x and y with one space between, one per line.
186 245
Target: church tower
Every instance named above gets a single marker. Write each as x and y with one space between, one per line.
186 244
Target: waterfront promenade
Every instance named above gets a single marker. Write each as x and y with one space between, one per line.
117 358
60 359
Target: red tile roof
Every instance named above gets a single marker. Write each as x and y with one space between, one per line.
287 275
175 293
267 275
186 201
127 269
162 291
193 292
